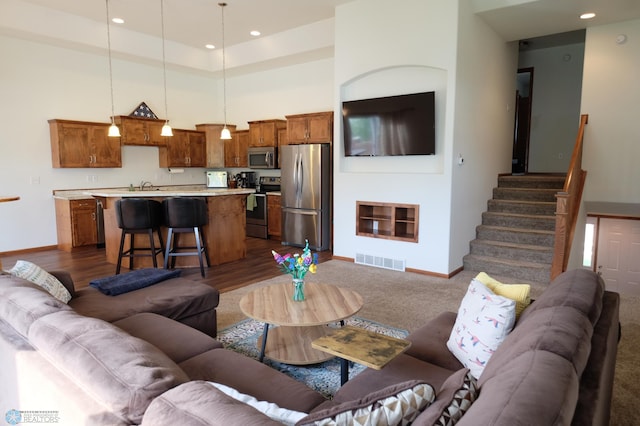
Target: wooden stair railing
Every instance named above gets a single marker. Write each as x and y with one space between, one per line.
568 205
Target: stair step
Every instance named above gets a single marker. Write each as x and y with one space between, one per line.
552 181
515 235
525 271
526 194
523 252
518 220
522 206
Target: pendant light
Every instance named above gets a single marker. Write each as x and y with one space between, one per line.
114 131
166 129
225 134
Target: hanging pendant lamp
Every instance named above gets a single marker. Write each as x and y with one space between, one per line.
166 129
225 134
114 131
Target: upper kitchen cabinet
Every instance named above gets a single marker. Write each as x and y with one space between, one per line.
310 128
218 149
76 144
140 131
236 149
186 148
265 132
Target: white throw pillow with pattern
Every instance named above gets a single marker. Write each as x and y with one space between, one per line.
32 272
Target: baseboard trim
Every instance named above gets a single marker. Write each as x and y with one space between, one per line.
28 250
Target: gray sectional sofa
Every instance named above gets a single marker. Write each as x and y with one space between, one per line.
555 368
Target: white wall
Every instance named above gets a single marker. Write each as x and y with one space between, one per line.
555 115
483 135
610 92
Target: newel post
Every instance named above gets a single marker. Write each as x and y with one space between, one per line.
560 242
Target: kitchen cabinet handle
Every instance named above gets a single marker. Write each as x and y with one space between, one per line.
93 216
90 159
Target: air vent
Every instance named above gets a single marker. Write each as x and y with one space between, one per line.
380 262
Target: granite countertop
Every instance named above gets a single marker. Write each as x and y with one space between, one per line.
156 191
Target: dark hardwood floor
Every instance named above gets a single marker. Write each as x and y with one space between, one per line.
88 263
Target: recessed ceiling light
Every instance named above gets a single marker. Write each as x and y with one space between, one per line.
209 46
588 15
255 33
117 21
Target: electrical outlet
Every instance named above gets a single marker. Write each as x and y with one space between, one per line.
375 226
35 180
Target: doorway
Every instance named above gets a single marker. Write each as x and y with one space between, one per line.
616 254
522 126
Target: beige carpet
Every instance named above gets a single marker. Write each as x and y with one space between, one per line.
407 300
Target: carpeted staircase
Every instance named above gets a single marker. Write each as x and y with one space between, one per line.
516 236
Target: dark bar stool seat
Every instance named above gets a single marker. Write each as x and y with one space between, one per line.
139 216
185 215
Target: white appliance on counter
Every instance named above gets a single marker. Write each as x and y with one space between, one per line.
216 179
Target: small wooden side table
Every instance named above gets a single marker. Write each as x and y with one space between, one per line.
371 349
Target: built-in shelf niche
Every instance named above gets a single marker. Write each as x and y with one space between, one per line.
387 220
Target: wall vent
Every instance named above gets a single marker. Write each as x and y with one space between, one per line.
380 262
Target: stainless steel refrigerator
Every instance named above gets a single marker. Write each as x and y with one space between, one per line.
306 195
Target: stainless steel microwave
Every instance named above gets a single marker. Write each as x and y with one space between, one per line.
263 157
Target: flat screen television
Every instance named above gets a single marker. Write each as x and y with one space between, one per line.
389 126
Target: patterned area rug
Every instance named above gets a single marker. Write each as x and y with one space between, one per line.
324 377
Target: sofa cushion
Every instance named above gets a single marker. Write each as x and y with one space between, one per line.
178 298
401 369
561 330
197 403
120 371
249 376
176 340
520 293
536 387
24 302
32 272
271 410
453 400
484 320
580 289
394 405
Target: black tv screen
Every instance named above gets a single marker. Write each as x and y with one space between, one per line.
393 125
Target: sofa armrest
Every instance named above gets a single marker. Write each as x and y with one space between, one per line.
65 278
429 342
199 403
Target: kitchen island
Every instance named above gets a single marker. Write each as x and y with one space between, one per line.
225 234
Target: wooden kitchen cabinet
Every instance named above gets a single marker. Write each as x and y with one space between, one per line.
140 131
79 144
76 223
216 148
236 149
274 216
265 132
186 148
310 128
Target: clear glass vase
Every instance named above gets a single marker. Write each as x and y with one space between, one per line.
298 289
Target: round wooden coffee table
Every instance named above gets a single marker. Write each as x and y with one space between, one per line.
299 323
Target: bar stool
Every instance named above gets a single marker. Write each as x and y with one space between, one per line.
139 216
185 215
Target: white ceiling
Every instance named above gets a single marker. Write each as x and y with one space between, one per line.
194 23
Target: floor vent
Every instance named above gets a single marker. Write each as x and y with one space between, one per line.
380 262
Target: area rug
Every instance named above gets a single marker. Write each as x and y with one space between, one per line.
324 377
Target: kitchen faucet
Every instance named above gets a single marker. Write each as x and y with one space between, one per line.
144 183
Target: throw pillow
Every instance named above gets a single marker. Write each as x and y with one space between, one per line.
394 405
484 320
454 399
275 412
37 275
517 292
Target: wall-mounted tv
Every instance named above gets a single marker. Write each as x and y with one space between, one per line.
388 126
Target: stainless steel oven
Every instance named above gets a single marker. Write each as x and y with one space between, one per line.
257 216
